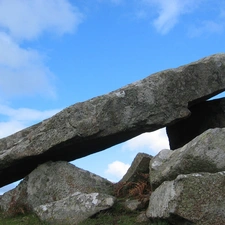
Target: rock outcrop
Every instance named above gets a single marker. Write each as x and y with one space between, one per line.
192 199
88 127
52 182
188 183
139 165
74 208
205 115
205 153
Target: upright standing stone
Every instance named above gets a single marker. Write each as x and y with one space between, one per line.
205 115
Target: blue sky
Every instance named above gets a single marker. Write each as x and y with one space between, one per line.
59 52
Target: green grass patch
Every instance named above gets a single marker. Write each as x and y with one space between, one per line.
29 219
118 215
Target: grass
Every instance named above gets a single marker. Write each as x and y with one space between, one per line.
117 215
28 219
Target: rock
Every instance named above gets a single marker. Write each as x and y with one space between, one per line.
142 218
50 182
136 204
132 204
74 208
205 115
94 125
197 198
135 183
205 153
139 165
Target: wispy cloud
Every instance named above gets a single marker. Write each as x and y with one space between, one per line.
206 27
215 24
169 12
23 70
151 143
29 19
116 170
18 119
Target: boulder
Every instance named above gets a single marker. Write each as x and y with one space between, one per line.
94 125
139 165
51 182
136 204
141 218
74 209
205 153
205 115
197 199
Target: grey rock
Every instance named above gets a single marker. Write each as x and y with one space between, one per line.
53 181
136 204
197 198
140 164
205 115
132 204
205 153
94 125
142 218
74 209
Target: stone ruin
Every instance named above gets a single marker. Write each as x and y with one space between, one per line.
187 182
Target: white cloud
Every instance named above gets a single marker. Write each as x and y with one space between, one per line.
117 170
26 114
23 70
10 127
27 19
148 142
18 119
206 27
169 12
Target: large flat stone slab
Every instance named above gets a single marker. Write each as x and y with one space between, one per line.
94 125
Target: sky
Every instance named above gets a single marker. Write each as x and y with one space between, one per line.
56 53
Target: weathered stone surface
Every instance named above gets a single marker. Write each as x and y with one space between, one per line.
140 164
142 218
205 153
53 181
136 204
190 199
91 126
74 209
205 115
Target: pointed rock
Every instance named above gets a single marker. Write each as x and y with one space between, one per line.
139 165
94 125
